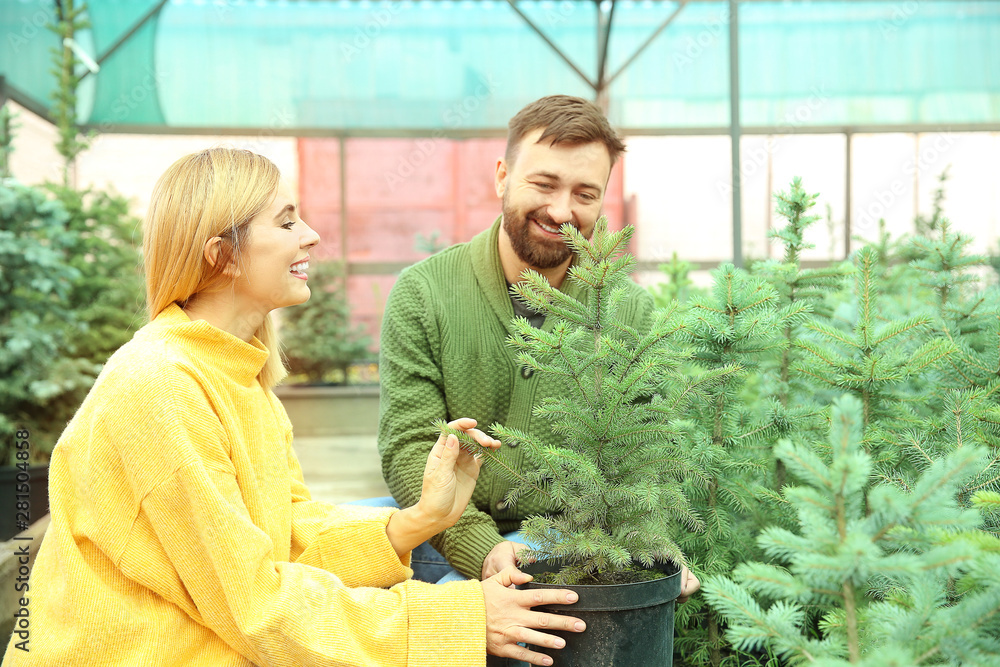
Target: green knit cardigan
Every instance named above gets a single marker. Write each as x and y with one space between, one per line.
444 356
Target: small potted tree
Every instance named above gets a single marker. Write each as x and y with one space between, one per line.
319 339
614 485
323 349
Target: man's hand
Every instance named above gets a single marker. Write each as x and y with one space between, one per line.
505 555
689 585
510 619
500 557
449 479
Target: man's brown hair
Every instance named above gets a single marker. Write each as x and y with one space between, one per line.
566 119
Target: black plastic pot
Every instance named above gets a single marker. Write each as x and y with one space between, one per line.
628 625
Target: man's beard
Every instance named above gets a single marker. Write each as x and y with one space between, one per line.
537 253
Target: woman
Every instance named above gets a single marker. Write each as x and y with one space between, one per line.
182 533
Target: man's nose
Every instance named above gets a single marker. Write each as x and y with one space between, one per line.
559 208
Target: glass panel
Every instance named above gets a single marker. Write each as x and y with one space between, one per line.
425 65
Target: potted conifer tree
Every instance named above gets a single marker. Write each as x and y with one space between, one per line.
319 338
614 485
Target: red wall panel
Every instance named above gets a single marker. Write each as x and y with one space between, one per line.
395 190
319 192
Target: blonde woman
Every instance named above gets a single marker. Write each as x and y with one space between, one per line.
182 533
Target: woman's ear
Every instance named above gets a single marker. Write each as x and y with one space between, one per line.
213 248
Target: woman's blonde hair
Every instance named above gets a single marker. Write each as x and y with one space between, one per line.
212 193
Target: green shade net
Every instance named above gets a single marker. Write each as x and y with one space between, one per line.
391 67
24 51
128 85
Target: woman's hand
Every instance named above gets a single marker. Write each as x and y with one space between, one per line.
449 479
450 475
510 619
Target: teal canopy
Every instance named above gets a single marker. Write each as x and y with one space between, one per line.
464 67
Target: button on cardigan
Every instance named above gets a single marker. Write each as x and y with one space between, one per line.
182 532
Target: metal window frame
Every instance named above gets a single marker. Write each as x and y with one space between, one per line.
605 18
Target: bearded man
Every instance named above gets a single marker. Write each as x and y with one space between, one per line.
443 345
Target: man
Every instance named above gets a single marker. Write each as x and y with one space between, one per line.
443 347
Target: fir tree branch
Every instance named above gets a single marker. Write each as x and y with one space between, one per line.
827 356
991 482
749 434
915 444
834 333
928 354
638 354
471 445
620 397
898 328
803 371
706 380
643 466
640 442
576 375
853 641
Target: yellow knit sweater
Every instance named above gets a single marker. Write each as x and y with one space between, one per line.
182 533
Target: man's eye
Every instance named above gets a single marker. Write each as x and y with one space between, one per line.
587 197
544 186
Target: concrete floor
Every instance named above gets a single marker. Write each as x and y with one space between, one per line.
341 468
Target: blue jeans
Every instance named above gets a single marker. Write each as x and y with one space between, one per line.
425 561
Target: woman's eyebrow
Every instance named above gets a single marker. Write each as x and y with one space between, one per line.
288 207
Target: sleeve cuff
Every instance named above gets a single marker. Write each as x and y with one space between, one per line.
447 624
370 560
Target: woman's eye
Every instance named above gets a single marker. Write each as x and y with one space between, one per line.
288 224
